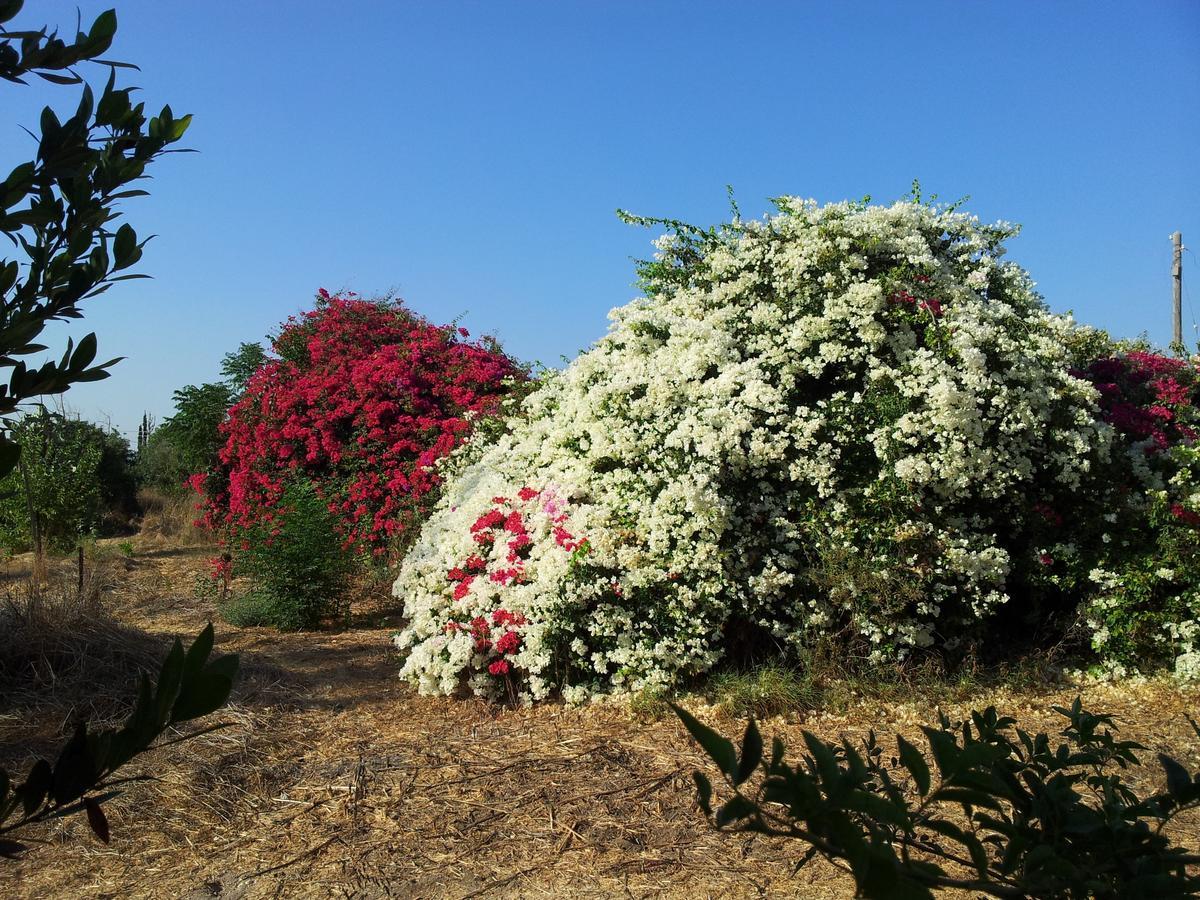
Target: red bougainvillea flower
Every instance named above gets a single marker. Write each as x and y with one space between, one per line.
505 543
1143 394
362 398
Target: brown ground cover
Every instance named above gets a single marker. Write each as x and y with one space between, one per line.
335 780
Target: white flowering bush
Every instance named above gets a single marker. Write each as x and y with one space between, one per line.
840 420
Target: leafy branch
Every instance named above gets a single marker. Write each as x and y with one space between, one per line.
1014 815
189 686
59 208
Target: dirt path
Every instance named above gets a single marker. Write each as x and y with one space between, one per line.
335 780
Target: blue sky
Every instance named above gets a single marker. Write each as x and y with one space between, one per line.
470 156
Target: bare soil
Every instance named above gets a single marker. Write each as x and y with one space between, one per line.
335 779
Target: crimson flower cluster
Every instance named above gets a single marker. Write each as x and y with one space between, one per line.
1146 396
930 305
362 399
504 543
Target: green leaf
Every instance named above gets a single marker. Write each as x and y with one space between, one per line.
103 30
124 244
9 9
720 750
84 353
915 763
59 79
207 691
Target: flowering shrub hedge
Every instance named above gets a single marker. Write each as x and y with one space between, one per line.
361 399
1143 578
850 420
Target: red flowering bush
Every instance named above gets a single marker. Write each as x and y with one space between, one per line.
1147 397
362 399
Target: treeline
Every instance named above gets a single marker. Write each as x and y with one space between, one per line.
78 480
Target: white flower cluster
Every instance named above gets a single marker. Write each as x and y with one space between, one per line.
829 420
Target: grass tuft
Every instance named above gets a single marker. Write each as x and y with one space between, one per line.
764 692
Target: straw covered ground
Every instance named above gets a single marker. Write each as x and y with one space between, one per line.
334 779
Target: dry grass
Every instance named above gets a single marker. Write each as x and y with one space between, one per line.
336 781
167 520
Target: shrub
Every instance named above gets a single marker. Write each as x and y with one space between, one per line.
361 399
1142 570
1008 814
837 422
75 478
295 563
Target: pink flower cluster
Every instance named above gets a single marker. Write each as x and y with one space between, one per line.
922 304
502 645
503 526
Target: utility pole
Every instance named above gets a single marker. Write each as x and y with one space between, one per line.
1177 275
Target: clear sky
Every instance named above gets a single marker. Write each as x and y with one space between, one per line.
470 156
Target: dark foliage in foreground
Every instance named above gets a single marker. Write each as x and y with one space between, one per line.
189 686
59 208
1012 815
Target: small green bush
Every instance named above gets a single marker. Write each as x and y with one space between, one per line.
297 565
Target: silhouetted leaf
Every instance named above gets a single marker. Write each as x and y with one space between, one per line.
915 763
719 749
96 818
752 749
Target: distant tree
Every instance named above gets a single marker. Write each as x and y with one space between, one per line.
238 368
188 441
72 475
59 209
145 429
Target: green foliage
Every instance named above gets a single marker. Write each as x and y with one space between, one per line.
189 686
72 474
297 564
60 208
764 692
1010 814
188 441
238 367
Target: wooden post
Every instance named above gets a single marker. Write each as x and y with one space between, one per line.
79 584
1177 306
